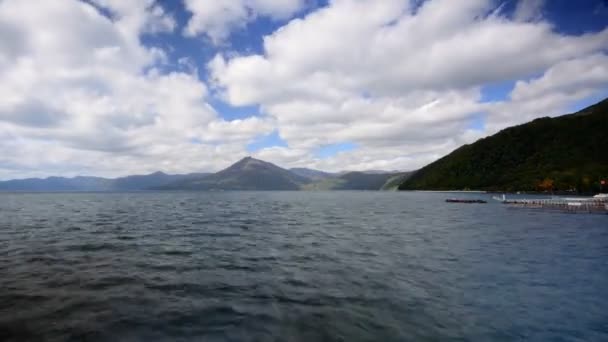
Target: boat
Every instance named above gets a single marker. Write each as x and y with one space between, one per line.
457 200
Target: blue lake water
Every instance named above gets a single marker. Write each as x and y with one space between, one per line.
297 266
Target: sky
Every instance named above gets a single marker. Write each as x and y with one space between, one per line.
113 87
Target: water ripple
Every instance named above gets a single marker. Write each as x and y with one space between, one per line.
296 266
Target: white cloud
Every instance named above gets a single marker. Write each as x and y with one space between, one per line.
216 19
565 77
81 93
388 51
552 93
529 10
383 74
140 15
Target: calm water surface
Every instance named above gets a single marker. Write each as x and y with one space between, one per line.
297 266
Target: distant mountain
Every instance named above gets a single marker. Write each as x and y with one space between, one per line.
358 181
129 183
311 173
246 174
142 182
57 184
548 154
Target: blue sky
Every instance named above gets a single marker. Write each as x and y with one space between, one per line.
109 87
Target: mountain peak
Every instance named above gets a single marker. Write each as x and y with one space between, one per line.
247 174
247 159
249 162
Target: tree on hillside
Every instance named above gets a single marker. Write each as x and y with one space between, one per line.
545 185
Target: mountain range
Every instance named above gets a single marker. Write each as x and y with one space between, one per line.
254 174
565 153
83 183
246 174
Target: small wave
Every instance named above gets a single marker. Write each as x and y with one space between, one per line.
185 288
297 283
217 235
109 282
43 259
221 316
177 252
94 247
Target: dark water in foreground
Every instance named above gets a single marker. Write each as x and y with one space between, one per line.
297 266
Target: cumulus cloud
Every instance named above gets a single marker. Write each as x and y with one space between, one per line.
386 74
216 19
585 73
387 51
552 93
529 10
80 93
141 15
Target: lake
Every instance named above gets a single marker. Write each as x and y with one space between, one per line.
297 266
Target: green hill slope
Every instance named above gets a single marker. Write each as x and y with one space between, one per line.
358 181
564 153
393 182
311 173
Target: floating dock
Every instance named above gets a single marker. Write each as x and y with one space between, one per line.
596 204
456 200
